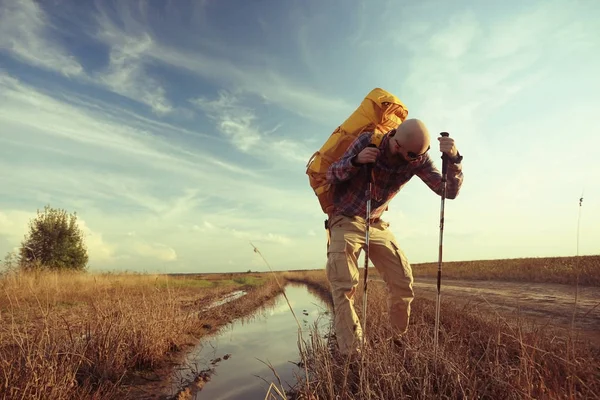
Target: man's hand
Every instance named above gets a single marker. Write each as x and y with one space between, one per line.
367 155
447 146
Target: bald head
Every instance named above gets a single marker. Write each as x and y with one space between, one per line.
413 135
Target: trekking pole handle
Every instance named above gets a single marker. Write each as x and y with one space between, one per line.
444 156
370 165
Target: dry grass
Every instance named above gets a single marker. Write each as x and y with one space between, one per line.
569 270
68 335
84 336
480 356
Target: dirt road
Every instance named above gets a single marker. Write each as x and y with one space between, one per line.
550 304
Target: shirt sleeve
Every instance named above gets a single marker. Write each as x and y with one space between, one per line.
433 178
342 169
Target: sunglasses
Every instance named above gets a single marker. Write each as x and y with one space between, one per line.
411 155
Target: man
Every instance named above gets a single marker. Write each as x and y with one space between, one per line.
401 155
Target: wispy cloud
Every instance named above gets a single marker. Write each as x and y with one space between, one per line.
462 71
155 250
270 85
26 33
545 27
232 119
126 73
92 130
241 125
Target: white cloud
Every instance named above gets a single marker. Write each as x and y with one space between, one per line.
14 224
133 188
467 70
250 230
261 237
240 125
96 132
291 150
126 73
208 225
232 119
270 85
133 47
25 32
100 252
155 250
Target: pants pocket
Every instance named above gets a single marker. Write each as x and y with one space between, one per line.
341 273
406 268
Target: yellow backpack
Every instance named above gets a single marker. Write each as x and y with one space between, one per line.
380 112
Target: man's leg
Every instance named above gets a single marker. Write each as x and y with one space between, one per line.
342 273
396 271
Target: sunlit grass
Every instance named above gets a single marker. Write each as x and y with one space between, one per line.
480 355
76 335
566 270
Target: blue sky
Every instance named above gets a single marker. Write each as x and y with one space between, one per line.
179 131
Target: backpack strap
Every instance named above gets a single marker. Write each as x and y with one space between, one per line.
377 137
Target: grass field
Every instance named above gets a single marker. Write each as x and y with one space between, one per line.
480 355
84 336
567 270
92 336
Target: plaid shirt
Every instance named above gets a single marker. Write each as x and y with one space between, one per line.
350 195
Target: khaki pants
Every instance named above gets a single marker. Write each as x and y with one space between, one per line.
347 239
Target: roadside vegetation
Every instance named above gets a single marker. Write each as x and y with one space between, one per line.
66 335
567 270
480 355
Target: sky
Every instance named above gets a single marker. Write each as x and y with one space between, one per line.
179 131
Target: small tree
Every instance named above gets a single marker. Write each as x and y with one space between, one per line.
54 242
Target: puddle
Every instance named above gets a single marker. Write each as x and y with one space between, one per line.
239 352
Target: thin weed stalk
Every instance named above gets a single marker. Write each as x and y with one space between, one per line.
300 339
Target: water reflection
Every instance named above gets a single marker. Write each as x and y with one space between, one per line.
269 336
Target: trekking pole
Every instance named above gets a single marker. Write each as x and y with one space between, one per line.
439 274
367 229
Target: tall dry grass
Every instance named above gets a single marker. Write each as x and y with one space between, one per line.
72 335
584 270
480 355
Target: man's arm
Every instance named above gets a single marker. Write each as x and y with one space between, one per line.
433 177
343 169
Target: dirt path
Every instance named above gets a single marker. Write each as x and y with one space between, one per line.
550 304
